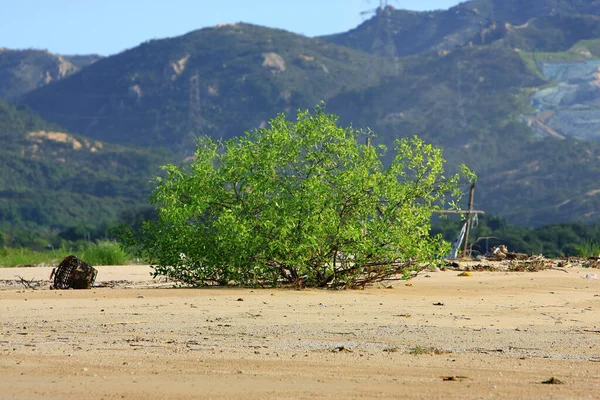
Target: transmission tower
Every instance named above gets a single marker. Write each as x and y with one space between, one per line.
384 41
383 4
195 120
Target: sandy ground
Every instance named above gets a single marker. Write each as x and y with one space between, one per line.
498 334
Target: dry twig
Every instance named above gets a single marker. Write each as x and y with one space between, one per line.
25 283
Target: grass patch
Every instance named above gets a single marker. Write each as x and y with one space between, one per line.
101 253
576 53
15 257
531 59
592 45
531 64
590 249
105 253
562 56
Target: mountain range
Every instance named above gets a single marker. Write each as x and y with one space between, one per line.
509 87
22 71
400 32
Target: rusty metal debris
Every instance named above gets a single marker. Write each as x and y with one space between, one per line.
73 273
501 252
501 259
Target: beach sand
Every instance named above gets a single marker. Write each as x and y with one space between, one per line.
489 335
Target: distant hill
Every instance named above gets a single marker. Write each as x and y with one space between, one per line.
82 60
451 98
518 12
24 70
398 33
50 179
515 99
510 113
218 81
447 99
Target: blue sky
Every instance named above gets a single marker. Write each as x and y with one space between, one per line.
110 26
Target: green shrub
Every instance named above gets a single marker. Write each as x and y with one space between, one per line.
105 253
591 248
299 202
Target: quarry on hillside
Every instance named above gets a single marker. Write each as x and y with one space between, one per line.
571 107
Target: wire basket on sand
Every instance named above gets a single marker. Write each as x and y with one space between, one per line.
73 273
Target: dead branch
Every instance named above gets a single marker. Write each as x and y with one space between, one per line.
26 283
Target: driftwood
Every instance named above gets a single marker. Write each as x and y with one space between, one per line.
26 283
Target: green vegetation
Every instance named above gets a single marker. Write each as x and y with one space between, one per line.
554 34
471 102
217 81
52 181
519 12
15 257
591 248
101 253
82 60
24 70
592 46
401 32
300 203
555 240
530 61
451 77
105 253
452 100
581 51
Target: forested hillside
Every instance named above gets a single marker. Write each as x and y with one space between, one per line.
51 180
510 88
217 81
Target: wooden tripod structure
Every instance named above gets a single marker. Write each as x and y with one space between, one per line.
469 213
